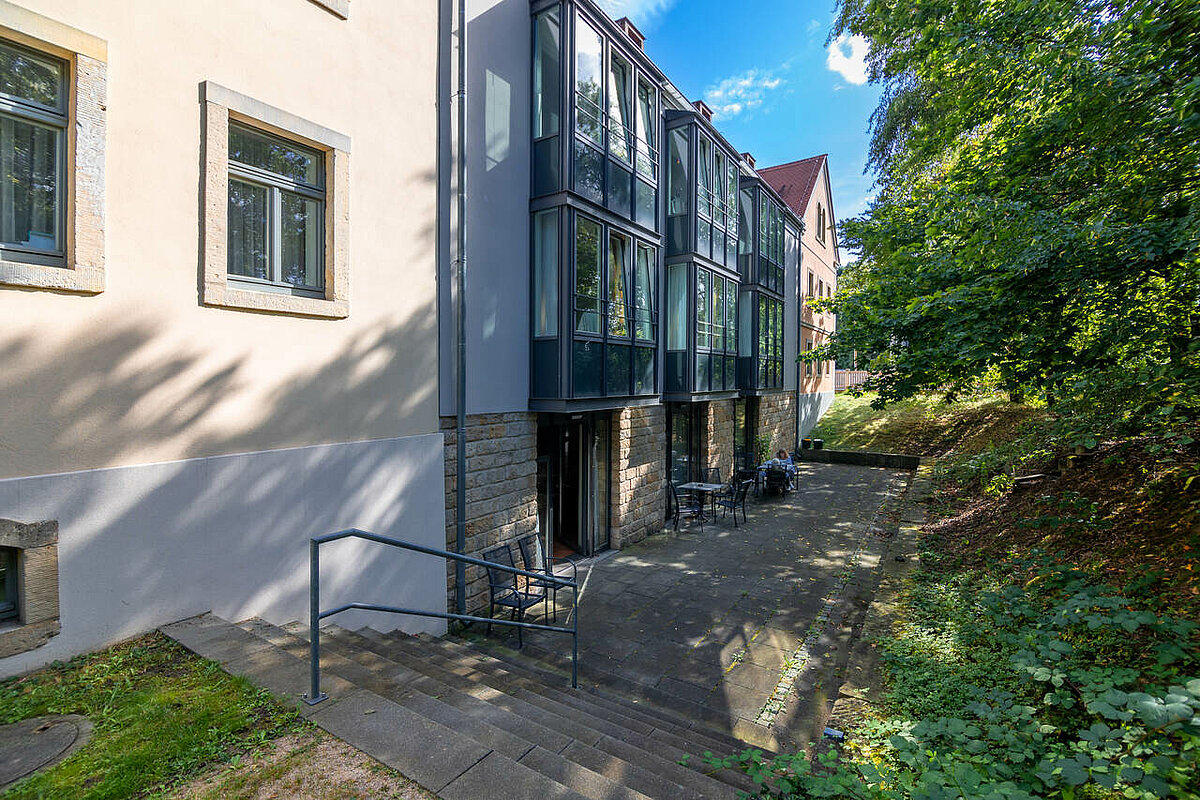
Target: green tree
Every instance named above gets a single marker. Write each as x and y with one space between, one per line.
1038 207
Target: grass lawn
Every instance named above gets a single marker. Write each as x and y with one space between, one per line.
167 723
925 425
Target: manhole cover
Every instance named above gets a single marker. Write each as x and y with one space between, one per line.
30 745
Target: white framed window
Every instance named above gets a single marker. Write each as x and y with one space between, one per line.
52 143
276 222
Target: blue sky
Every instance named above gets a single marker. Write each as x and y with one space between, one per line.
777 91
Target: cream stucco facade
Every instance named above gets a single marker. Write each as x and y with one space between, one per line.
820 261
126 399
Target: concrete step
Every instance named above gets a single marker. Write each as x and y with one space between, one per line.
597 742
498 661
687 712
453 766
643 721
581 708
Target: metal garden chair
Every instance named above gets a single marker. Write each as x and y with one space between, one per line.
503 589
735 501
692 508
534 560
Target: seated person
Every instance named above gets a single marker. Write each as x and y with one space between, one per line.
783 459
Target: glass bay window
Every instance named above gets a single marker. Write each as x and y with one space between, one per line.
768 250
608 346
701 316
595 251
702 186
612 102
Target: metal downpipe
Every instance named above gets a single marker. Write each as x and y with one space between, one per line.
460 403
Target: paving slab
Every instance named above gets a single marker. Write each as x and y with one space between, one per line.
427 752
716 616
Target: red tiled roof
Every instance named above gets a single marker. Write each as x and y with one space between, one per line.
795 181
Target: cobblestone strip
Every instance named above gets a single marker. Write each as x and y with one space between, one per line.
795 665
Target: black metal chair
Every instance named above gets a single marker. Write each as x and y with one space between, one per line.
710 475
776 481
534 560
736 500
692 508
745 467
503 589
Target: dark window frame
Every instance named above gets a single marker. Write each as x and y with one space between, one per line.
277 185
10 606
605 338
27 111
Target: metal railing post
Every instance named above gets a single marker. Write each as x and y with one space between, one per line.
315 695
575 637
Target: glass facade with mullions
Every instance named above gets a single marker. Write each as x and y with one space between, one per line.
33 137
595 252
702 192
609 287
762 223
768 249
612 156
701 308
613 348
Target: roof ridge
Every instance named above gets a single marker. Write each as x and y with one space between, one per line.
797 161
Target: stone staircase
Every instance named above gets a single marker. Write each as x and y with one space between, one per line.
468 724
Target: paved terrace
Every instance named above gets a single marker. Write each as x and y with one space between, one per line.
734 626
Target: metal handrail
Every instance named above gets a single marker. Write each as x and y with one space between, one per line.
315 694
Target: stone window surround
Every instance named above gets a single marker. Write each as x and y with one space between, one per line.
220 105
37 585
86 57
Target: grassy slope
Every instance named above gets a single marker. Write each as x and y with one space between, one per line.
923 426
1126 514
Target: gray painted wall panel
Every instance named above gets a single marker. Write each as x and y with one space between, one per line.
812 407
498 153
144 545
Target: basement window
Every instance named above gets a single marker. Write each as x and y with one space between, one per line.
8 583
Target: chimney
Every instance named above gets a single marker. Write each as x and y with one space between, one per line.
630 30
749 159
703 108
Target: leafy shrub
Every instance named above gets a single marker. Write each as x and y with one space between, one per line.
1023 683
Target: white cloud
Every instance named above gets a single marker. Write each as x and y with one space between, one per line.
813 27
848 57
740 93
644 13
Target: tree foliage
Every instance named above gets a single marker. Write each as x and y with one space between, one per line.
1038 207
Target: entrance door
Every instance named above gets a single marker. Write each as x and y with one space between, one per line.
686 444
573 486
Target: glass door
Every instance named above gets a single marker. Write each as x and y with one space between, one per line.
601 482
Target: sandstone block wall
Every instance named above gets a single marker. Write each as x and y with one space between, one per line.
501 484
639 494
719 431
777 419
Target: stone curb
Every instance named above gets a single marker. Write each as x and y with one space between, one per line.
862 686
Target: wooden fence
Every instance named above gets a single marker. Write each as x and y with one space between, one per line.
844 379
